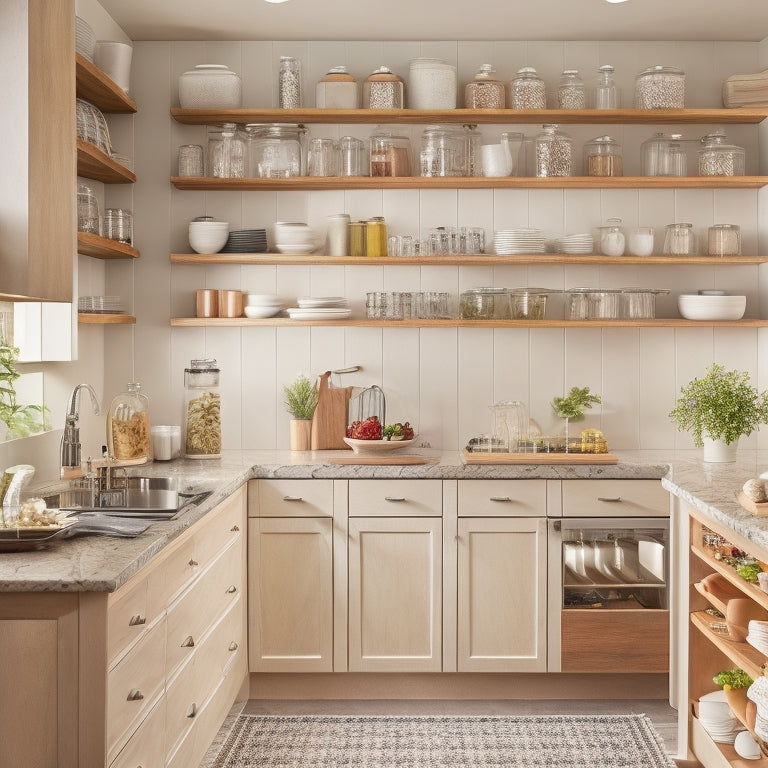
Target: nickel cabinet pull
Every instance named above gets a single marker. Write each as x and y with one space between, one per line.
135 695
609 499
501 498
292 498
231 589
189 642
235 528
193 562
398 499
192 711
137 620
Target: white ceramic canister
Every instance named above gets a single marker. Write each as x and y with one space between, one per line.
210 86
431 84
337 90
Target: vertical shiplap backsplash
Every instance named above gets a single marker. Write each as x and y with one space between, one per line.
441 380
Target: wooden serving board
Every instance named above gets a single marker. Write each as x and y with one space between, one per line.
329 422
539 458
403 458
760 509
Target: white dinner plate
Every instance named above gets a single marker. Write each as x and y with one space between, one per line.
296 313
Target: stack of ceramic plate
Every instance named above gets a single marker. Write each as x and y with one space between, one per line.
294 237
320 308
246 241
85 39
579 243
99 304
717 719
757 635
507 241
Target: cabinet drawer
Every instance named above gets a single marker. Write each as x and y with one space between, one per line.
182 703
176 572
218 650
395 498
502 498
614 498
147 746
220 527
127 618
291 498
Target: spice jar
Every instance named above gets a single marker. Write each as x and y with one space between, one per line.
527 90
606 94
289 83
570 90
337 90
612 238
383 89
724 240
660 88
718 158
679 240
202 410
554 152
485 92
602 157
128 428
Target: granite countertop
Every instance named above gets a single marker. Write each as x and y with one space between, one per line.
102 563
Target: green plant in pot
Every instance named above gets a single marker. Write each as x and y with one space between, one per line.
572 406
301 401
717 409
20 420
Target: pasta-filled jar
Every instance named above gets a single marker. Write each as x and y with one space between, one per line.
485 91
202 410
128 428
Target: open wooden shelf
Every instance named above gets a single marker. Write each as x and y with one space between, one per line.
92 163
97 318
742 655
103 248
743 115
314 183
99 89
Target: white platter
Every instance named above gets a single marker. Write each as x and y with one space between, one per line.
377 446
295 313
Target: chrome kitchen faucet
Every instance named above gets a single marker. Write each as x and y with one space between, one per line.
70 441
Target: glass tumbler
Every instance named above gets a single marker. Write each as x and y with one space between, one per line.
118 225
322 157
190 160
87 211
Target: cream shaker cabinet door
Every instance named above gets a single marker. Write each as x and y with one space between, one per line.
290 594
395 572
502 599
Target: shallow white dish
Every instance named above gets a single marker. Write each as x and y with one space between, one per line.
295 313
295 248
318 302
262 300
260 312
377 446
698 307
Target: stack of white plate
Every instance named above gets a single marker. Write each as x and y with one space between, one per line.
320 308
757 635
508 241
716 717
294 237
246 241
85 39
261 305
579 243
99 304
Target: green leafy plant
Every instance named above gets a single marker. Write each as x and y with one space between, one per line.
722 405
573 404
733 678
301 397
21 420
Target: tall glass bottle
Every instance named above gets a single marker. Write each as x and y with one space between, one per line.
606 95
128 427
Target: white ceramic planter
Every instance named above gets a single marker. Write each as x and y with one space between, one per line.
718 452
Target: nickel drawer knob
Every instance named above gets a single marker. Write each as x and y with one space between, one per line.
231 589
135 695
193 562
192 711
189 642
137 620
233 646
235 528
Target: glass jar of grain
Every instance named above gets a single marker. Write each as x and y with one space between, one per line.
202 410
554 152
719 158
128 429
485 91
602 157
571 93
527 90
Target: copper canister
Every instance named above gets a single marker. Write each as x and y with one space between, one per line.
207 303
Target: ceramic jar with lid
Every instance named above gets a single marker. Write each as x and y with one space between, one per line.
606 93
431 84
571 93
527 90
485 91
554 152
383 89
201 428
719 158
128 427
337 90
602 157
210 86
660 87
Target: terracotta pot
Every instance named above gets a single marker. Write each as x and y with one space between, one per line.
301 434
738 613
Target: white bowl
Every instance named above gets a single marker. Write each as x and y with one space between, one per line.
698 307
255 312
209 226
262 300
295 248
293 233
377 446
204 242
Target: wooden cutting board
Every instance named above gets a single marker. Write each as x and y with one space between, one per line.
329 422
539 458
760 509
401 459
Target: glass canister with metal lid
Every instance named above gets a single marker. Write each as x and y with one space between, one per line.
527 90
719 158
602 157
128 427
383 89
201 426
275 150
485 91
660 87
554 152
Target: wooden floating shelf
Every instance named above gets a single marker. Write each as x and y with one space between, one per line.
99 89
314 183
742 654
742 115
98 318
751 590
473 260
92 163
103 248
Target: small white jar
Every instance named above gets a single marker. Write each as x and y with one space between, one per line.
210 86
641 241
337 90
612 239
432 84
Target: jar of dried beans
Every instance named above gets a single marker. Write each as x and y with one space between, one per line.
128 428
527 90
660 88
202 410
602 157
719 158
485 91
571 93
289 95
554 152
383 89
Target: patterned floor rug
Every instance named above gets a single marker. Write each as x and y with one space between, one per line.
567 741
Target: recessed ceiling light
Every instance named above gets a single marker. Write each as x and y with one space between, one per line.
285 1
607 1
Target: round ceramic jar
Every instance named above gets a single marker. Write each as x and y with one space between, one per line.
431 84
383 89
337 90
210 86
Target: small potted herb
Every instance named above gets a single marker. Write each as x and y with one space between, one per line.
572 406
301 401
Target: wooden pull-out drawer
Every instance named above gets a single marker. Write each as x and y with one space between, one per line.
147 745
176 572
614 498
502 498
395 498
290 498
128 617
220 528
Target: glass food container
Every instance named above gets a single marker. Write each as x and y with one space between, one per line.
383 89
554 152
509 422
528 303
718 158
201 425
660 87
593 304
606 93
484 304
679 239
571 93
485 91
612 239
275 150
226 152
390 155
602 157
663 155
527 90
640 241
337 89
640 303
442 152
128 427
724 240
289 91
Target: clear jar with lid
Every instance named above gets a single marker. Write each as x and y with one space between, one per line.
201 427
527 90
484 304
485 91
719 158
664 155
680 240
275 150
612 239
390 154
383 89
554 152
724 240
226 152
660 87
606 93
128 427
289 90
571 93
602 157
337 89
442 152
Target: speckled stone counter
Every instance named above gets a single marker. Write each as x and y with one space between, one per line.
101 563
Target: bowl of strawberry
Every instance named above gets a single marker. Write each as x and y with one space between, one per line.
370 436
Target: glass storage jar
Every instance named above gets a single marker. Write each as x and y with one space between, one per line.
554 152
275 150
351 160
226 152
606 93
289 91
679 239
663 155
527 90
383 89
571 93
660 87
390 155
724 240
484 304
612 238
602 157
442 152
641 241
128 427
718 158
593 304
201 426
485 91
431 84
640 303
337 89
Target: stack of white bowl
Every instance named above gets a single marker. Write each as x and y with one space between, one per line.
716 717
261 305
208 236
711 306
294 237
757 635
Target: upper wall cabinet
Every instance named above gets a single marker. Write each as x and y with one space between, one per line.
37 123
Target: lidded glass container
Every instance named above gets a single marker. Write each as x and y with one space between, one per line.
128 427
442 152
275 150
663 155
602 157
724 240
606 93
337 90
201 424
554 152
390 154
485 91
571 93
680 239
612 239
718 158
527 90
660 87
226 152
289 92
484 304
383 89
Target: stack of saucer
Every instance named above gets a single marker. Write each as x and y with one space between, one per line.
320 308
717 719
246 241
579 243
757 635
508 241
